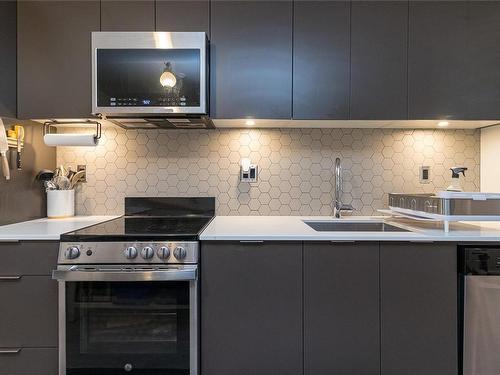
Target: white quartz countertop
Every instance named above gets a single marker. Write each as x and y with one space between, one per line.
275 228
286 228
47 229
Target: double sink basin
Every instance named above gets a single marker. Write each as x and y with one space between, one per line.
352 226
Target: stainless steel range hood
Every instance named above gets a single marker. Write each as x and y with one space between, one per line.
161 122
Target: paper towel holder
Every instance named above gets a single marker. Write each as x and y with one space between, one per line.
47 125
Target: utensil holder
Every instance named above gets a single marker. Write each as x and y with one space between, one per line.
60 203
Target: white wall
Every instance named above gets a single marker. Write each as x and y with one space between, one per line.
490 159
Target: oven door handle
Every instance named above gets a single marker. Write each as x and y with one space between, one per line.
187 274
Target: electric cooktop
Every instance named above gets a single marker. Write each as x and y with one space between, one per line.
151 219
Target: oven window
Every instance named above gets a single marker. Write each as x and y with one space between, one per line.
112 327
148 77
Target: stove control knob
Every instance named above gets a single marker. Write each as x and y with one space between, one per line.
163 252
147 252
130 252
72 252
180 253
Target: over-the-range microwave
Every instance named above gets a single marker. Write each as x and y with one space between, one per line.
151 79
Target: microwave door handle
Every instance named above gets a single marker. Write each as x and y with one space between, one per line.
163 275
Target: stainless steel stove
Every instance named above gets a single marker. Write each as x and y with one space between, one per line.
128 290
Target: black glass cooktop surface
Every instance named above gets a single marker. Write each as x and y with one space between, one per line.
141 228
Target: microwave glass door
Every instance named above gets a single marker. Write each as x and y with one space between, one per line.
148 77
120 327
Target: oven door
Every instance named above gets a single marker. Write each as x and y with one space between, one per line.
138 321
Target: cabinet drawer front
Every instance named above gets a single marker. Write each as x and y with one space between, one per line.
40 361
28 317
28 258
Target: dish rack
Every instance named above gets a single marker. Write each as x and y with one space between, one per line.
446 207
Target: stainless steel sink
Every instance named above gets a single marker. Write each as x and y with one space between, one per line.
352 226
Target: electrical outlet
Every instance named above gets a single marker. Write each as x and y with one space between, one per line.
82 168
250 175
425 174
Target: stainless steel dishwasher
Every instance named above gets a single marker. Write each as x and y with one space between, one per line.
481 311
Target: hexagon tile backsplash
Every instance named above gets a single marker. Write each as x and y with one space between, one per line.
296 167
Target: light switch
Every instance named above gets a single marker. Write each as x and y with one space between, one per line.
425 174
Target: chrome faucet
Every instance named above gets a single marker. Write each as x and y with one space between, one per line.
338 205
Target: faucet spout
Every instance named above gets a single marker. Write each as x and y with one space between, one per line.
338 206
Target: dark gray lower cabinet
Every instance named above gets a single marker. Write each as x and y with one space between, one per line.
28 308
341 308
28 317
418 285
29 361
251 316
35 258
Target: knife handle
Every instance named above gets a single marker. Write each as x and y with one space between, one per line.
18 160
5 166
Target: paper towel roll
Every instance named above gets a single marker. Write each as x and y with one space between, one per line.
70 140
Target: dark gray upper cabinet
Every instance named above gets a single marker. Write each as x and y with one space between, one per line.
418 286
183 15
251 59
321 60
379 31
341 308
251 316
484 51
136 15
453 60
8 63
54 70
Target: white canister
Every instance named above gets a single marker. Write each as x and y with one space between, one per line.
60 203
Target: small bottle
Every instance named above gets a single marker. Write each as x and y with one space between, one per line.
455 178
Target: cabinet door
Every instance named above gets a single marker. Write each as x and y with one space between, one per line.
484 52
321 60
8 53
183 15
28 317
418 286
135 15
251 59
54 64
379 31
341 308
28 258
454 59
39 361
251 308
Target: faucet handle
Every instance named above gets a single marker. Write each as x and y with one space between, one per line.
346 208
